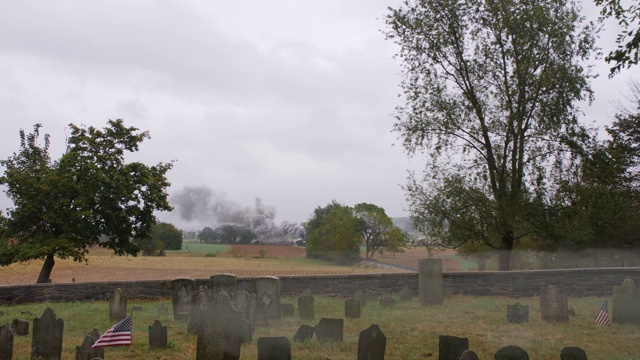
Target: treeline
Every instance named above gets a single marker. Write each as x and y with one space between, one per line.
228 234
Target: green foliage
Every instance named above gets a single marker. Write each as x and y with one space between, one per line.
333 232
168 235
628 39
228 234
490 90
378 231
208 236
63 207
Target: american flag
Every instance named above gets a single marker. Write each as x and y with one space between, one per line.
603 315
118 335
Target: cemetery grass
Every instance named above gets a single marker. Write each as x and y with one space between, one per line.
412 330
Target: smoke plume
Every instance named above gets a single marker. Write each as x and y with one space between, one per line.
208 207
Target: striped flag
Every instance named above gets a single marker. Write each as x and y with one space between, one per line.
118 335
603 315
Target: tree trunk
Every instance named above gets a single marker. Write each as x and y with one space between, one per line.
45 272
506 245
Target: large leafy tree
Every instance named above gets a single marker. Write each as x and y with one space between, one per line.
89 196
490 89
169 235
377 230
627 14
333 232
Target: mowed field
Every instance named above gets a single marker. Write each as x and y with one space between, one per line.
194 261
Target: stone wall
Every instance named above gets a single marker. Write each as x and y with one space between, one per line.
573 282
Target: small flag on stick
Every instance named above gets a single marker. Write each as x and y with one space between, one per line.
118 335
603 315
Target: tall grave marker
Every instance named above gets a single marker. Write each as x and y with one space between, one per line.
46 341
182 291
431 285
626 303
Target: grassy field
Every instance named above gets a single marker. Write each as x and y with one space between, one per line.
412 331
200 248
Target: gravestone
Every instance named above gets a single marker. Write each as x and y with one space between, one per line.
304 333
46 340
554 306
372 343
199 305
245 303
306 307
229 282
95 335
405 293
511 353
387 301
220 337
97 353
572 353
85 352
626 303
469 355
274 348
451 347
20 327
517 314
182 291
431 285
352 308
360 295
267 290
6 342
330 330
117 306
157 336
287 310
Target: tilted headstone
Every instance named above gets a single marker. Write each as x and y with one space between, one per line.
451 347
626 303
360 295
405 293
330 330
46 341
117 306
511 353
6 342
304 333
387 301
85 352
517 313
372 344
572 353
274 348
157 336
220 338
554 306
352 308
229 282
267 290
20 327
182 291
431 285
287 310
306 308
469 355
199 305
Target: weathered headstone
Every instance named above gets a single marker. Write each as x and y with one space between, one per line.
387 300
372 343
85 352
97 353
352 308
287 310
511 353
274 348
157 336
330 330
267 290
46 339
199 305
517 313
431 285
20 327
572 353
117 306
405 293
6 342
469 355
246 304
229 282
182 291
220 338
451 347
306 309
626 303
554 306
304 333
360 295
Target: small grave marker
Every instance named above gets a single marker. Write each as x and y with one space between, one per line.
511 353
372 344
572 353
352 308
46 341
274 348
451 347
469 355
387 301
157 336
330 330
517 314
20 327
304 333
306 307
626 303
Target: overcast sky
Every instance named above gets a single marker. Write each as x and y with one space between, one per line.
286 101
